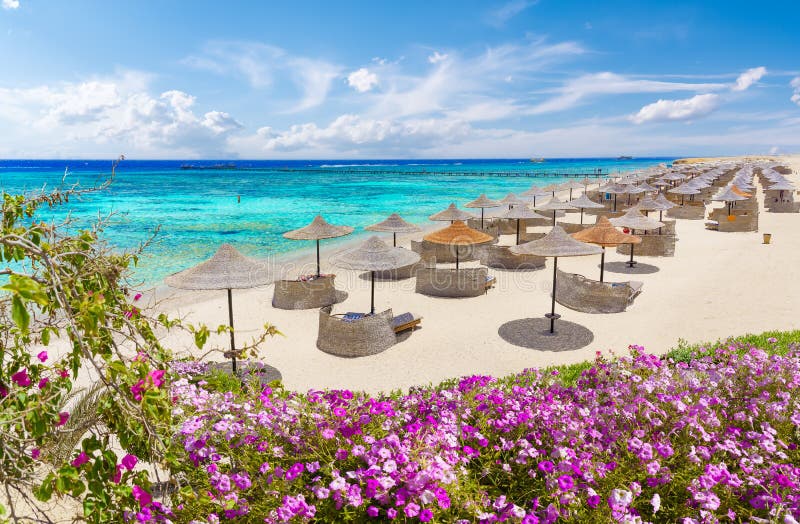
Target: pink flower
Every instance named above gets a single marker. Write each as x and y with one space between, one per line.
43 382
129 461
117 475
137 296
35 452
425 515
137 389
21 378
80 460
142 496
157 376
42 356
565 483
63 373
63 417
3 391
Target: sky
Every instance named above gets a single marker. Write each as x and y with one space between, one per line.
411 79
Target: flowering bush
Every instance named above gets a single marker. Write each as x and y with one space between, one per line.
636 439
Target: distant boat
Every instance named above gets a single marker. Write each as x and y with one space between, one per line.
537 160
623 157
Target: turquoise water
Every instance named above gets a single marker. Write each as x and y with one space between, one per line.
197 210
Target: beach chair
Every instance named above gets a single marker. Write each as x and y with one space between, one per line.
489 284
405 322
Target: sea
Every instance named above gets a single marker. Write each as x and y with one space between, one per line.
191 207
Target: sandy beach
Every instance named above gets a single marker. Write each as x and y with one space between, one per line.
716 285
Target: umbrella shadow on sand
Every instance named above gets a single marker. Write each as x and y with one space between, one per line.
264 372
534 333
639 269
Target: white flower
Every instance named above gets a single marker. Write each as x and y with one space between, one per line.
656 502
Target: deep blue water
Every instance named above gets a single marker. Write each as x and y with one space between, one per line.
199 209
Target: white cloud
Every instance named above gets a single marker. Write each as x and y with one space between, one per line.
10 4
509 10
362 80
575 91
118 114
748 78
263 65
437 57
686 109
795 83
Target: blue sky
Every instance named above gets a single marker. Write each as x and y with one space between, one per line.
210 79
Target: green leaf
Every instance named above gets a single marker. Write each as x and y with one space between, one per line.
19 314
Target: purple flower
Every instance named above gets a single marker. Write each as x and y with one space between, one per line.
425 515
129 461
142 496
43 382
294 471
80 460
21 378
373 511
593 501
565 482
546 466
42 356
411 510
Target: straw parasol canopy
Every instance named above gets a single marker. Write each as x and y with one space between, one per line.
511 200
729 196
394 224
633 220
533 192
556 243
483 202
374 255
571 184
554 205
683 190
552 188
520 213
451 214
647 187
663 202
583 202
458 234
318 230
227 269
604 234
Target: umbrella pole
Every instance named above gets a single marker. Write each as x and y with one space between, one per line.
631 262
552 315
318 258
682 199
230 323
570 193
517 231
554 218
372 295
481 218
456 257
615 202
581 216
394 236
602 262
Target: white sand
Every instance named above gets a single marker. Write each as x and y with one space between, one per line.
716 285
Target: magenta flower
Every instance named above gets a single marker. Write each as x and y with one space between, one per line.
43 382
340 412
42 356
593 501
35 452
425 515
565 483
411 510
157 377
63 417
294 471
129 461
80 460
137 390
137 296
141 496
21 378
546 466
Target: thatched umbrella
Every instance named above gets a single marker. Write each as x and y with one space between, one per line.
634 220
451 214
374 255
572 185
520 213
227 269
318 230
604 234
633 190
683 190
483 202
555 205
458 234
615 189
512 200
394 224
552 188
533 192
556 243
583 202
729 196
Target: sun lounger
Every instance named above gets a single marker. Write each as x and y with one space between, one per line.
405 322
490 282
305 294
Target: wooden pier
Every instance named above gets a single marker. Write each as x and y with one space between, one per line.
596 173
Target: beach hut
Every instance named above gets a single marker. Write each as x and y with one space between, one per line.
394 224
457 235
483 202
583 202
557 243
374 255
520 213
227 269
604 234
555 205
451 214
634 220
318 230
